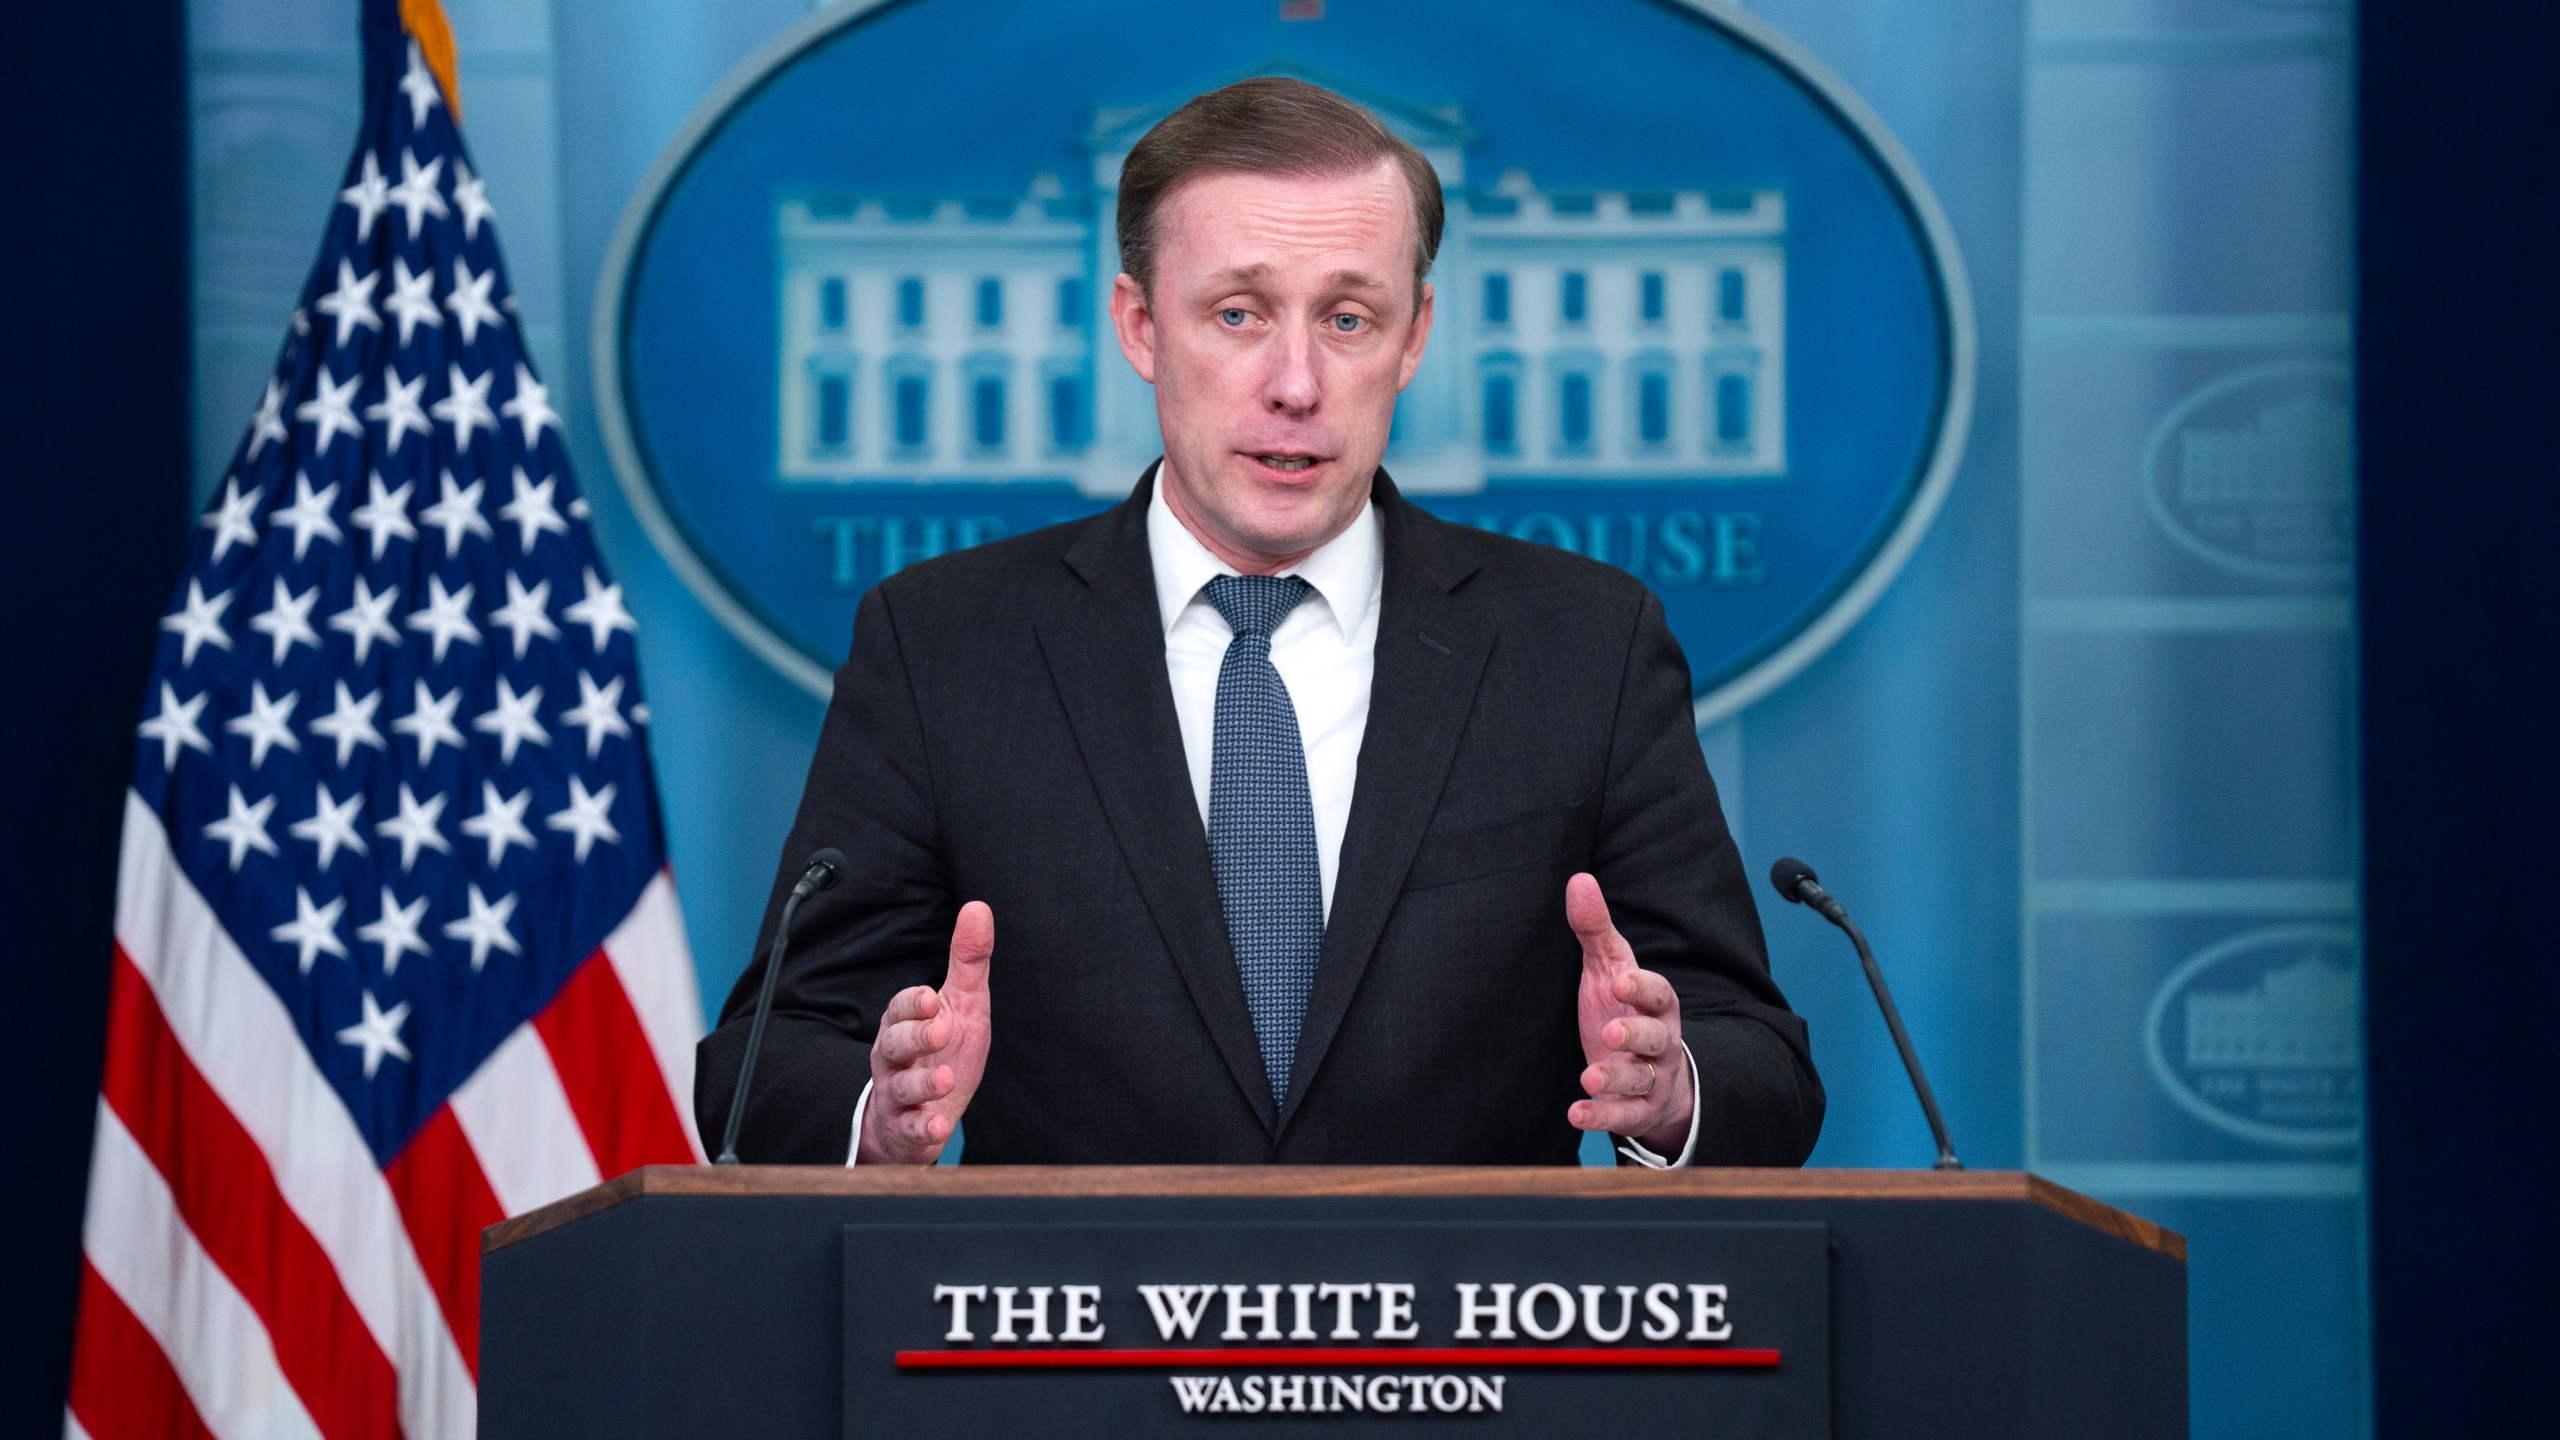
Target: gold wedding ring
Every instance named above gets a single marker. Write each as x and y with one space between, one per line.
1652 1077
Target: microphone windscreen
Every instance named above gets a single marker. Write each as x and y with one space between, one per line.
1789 875
829 863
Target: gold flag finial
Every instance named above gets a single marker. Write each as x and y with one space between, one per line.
425 22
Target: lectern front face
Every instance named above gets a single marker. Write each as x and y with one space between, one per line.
1113 1330
880 1305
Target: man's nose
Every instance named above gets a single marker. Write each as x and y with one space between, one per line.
1294 385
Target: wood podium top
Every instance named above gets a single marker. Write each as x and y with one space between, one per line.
1138 1181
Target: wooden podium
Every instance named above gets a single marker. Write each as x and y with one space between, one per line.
823 1303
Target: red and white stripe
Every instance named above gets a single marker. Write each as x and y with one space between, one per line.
250 1271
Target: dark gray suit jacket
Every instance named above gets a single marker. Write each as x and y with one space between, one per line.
1004 731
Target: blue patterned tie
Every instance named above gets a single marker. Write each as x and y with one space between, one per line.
1262 822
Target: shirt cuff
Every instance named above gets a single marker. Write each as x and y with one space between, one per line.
1633 1149
853 1152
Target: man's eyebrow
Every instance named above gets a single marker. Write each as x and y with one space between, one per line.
1240 275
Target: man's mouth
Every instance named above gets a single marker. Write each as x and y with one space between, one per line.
1286 464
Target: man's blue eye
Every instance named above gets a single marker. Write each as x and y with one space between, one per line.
1232 316
1346 323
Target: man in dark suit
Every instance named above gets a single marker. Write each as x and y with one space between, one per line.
1320 830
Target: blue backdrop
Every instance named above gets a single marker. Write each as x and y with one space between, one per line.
2086 771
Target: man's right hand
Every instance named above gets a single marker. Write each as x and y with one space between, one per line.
931 1053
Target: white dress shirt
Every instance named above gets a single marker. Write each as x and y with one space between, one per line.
1326 652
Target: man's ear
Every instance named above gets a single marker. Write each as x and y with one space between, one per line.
1415 339
1135 325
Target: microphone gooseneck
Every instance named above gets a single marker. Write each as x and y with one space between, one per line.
1796 883
823 870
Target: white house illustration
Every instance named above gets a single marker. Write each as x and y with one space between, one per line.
1591 336
2302 1016
2297 452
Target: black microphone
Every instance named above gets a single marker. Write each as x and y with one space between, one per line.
1796 883
824 869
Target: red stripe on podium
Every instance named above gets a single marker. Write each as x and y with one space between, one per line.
1230 1359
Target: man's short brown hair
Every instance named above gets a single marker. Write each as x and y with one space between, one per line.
1266 126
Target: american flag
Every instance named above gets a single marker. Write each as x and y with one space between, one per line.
396 950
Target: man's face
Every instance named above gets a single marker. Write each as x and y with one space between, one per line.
1281 326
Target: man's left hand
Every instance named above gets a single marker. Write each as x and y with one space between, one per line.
1637 1076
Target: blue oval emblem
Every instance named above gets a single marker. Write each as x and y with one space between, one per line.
2257 1036
1703 321
2250 472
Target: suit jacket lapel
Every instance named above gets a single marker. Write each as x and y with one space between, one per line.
1105 649
1432 645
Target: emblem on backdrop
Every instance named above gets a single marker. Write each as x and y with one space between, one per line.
2250 473
1702 322
2257 1036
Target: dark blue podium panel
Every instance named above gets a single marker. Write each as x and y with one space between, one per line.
1110 1331
849 1305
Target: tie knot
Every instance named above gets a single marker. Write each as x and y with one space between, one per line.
1256 604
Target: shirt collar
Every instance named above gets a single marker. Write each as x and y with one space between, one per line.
1345 570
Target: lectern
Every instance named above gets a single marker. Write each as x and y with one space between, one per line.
1141 1302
